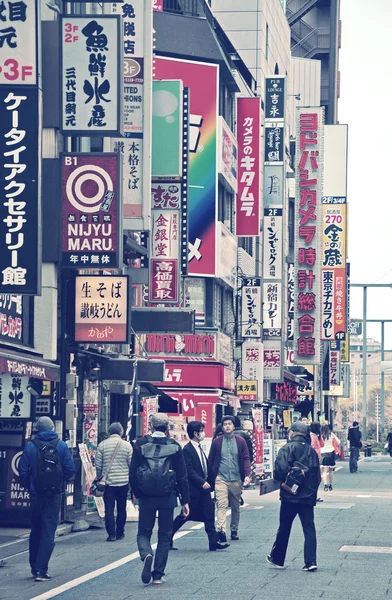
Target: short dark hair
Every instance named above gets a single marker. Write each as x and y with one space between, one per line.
161 428
228 418
355 423
194 427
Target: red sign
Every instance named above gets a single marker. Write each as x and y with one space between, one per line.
286 392
91 211
192 344
195 375
205 414
248 137
257 414
150 406
157 5
164 277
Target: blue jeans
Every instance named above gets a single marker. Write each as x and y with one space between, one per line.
354 455
44 519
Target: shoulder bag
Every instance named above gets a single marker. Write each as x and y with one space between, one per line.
98 486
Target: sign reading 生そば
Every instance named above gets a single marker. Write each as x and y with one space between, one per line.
101 308
91 211
91 62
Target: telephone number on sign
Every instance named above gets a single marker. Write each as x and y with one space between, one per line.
11 70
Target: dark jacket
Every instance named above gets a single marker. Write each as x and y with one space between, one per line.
242 433
196 477
297 449
178 465
216 453
28 460
354 437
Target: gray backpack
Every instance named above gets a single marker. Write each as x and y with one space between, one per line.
155 475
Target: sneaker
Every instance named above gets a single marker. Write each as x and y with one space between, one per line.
120 536
42 577
272 563
111 538
326 488
222 537
146 573
330 488
234 535
311 567
34 573
159 581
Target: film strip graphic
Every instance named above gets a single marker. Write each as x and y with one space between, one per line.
184 184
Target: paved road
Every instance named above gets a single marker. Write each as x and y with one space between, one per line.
357 513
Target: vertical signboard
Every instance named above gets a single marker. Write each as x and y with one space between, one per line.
90 75
307 234
251 308
165 250
273 361
272 310
274 98
273 143
253 365
274 185
202 180
91 211
290 302
334 363
18 43
20 213
227 148
167 129
15 400
273 243
248 139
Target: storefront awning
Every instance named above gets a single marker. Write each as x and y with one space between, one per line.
20 363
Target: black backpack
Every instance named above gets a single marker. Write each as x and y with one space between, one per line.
48 478
155 475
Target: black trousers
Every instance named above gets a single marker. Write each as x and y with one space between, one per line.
148 508
115 494
354 456
288 512
201 509
44 520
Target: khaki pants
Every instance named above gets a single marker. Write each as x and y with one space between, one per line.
228 494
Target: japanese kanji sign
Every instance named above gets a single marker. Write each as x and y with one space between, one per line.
334 364
253 364
248 138
274 185
251 308
307 234
273 360
272 309
11 318
290 302
274 98
273 243
246 390
18 42
102 309
15 400
91 99
20 243
131 156
165 250
273 143
91 211
166 195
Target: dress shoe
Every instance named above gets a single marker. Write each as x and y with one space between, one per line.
120 536
222 537
42 577
218 546
234 535
111 538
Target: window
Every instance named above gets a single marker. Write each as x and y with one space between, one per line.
225 207
247 244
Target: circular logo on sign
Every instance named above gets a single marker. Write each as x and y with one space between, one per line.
15 463
87 186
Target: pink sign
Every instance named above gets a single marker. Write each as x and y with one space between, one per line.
257 414
205 414
248 134
157 5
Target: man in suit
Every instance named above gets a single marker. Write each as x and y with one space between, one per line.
201 505
230 466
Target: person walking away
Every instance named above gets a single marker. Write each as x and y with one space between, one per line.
328 452
200 487
45 465
156 473
112 461
389 441
296 501
230 466
354 437
317 442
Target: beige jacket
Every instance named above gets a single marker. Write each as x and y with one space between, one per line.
119 471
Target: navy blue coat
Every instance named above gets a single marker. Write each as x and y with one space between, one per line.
28 460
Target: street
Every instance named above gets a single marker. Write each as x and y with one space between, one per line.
354 553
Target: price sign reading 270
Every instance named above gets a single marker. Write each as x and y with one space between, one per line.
18 42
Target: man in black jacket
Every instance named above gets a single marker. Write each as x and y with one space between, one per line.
354 437
156 472
301 502
200 487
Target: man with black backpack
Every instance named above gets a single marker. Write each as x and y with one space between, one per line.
297 468
156 475
46 463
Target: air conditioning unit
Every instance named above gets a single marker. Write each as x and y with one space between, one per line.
71 383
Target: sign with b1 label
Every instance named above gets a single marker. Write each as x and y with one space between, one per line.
91 211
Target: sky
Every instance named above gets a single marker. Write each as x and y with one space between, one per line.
365 105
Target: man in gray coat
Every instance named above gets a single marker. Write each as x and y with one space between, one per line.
116 490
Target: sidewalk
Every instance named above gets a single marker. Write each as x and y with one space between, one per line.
354 556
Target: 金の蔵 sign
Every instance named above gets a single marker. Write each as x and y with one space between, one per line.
91 211
90 75
102 309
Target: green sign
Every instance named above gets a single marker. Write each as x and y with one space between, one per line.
167 128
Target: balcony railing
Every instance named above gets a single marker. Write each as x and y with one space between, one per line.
190 8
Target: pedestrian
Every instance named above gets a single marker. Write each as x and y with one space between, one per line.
156 474
299 502
230 466
200 487
328 452
45 465
239 430
112 463
354 437
389 441
317 442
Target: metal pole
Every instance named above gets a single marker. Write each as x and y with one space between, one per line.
382 379
364 356
377 417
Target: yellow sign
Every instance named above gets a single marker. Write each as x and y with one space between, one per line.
286 418
46 389
345 349
247 389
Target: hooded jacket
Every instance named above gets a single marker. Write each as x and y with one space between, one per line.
28 460
297 449
354 437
